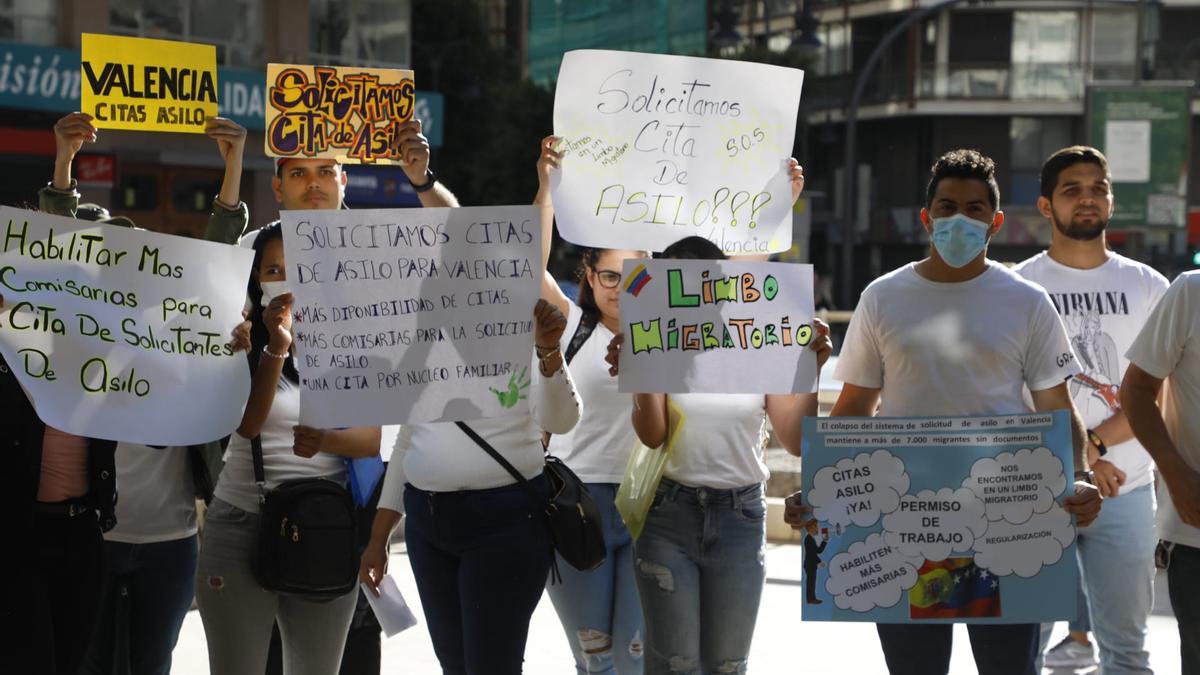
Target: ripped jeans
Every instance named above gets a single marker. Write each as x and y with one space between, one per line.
700 573
600 610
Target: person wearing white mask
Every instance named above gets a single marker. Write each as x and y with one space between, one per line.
238 613
956 335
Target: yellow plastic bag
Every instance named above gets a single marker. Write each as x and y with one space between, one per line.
643 474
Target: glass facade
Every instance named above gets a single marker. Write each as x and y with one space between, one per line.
374 33
662 26
236 29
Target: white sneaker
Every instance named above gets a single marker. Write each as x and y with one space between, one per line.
1071 654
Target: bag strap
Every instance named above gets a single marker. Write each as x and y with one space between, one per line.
512 470
583 331
260 475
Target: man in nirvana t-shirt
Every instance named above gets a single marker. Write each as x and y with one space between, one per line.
955 335
1104 299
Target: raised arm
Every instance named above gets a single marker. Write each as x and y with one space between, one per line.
70 133
548 162
555 404
229 215
278 318
414 152
787 411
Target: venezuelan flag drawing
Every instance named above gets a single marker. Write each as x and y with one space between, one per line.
954 588
637 280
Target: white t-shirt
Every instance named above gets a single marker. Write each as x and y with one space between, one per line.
440 457
1169 348
955 349
1103 308
598 448
155 498
720 444
280 464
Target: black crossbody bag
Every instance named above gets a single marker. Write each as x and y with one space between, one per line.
571 513
306 536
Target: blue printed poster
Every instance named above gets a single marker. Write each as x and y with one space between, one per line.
939 520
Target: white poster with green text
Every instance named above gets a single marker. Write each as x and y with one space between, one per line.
123 334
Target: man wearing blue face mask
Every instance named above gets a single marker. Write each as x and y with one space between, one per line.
955 335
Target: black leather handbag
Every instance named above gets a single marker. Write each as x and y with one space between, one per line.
306 536
571 513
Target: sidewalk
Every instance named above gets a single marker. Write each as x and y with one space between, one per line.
782 644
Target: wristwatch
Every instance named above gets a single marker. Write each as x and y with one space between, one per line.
1094 439
430 179
1088 477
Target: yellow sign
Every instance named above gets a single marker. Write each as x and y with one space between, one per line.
148 85
347 113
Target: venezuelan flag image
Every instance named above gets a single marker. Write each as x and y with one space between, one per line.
637 280
954 588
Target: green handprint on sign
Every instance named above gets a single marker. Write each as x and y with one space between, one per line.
516 385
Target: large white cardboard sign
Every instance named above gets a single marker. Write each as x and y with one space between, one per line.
657 148
413 315
717 326
122 334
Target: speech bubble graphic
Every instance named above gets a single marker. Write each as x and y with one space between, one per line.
1023 549
857 490
1015 485
932 525
870 574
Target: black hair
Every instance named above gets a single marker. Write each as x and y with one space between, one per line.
1068 157
259 336
693 248
970 164
587 296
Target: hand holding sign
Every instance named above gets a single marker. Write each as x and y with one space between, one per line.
70 133
278 319
796 174
229 135
413 149
1084 504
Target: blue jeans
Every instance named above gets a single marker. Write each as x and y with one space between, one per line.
1116 566
148 591
1183 581
480 558
600 610
924 649
700 573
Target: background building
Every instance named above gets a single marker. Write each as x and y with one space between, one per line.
166 181
1009 78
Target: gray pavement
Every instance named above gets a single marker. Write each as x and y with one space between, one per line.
782 643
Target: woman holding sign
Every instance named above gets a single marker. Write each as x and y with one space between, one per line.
238 612
699 565
477 539
599 610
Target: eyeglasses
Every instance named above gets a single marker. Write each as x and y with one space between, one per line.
608 278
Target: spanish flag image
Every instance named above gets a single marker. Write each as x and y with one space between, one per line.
954 588
637 280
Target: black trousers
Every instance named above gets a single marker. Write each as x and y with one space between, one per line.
62 587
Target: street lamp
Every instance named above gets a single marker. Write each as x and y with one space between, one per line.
806 42
726 35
